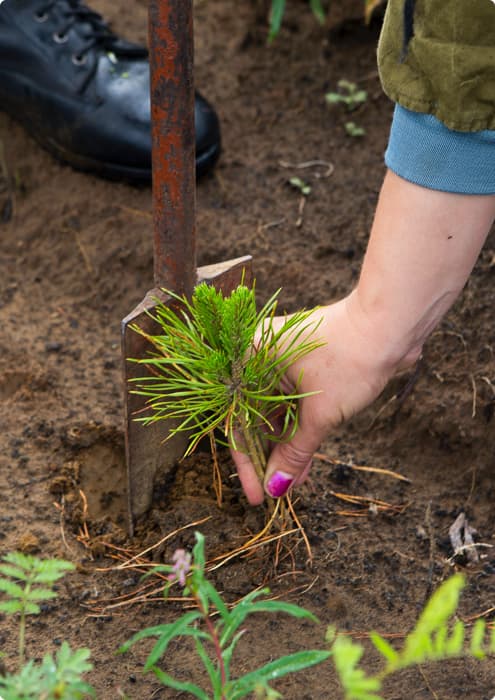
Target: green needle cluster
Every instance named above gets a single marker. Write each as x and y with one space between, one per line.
218 363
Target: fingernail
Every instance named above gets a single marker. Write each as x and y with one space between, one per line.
278 484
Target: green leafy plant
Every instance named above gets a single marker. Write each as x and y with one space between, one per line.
277 12
219 364
58 678
437 636
300 185
319 9
352 97
26 581
352 129
216 630
348 94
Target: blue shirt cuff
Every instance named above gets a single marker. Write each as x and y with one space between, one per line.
424 151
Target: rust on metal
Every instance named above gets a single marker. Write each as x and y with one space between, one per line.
150 449
173 143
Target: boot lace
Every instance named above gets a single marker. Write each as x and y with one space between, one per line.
97 32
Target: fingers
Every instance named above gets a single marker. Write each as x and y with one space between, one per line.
247 476
290 462
287 467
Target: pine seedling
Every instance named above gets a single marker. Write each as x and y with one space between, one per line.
218 365
216 630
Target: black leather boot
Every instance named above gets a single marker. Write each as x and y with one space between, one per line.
83 92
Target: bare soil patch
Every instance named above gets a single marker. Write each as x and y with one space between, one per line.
75 257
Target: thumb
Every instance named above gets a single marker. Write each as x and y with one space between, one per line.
289 462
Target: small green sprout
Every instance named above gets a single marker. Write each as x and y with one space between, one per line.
300 185
352 129
216 628
26 581
349 94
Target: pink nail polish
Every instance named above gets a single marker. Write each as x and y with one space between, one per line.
279 483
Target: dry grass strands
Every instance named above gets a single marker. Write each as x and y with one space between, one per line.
374 505
151 591
361 467
140 562
367 504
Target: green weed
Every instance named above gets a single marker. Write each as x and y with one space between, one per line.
319 10
26 581
348 94
216 631
277 12
300 185
352 97
437 636
216 628
352 129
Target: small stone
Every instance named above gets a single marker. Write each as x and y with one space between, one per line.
53 346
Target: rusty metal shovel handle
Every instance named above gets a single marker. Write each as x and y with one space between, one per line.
173 143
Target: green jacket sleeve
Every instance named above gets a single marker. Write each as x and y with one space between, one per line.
438 57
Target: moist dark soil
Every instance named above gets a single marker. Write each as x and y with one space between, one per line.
76 257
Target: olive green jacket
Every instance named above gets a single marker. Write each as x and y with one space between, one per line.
438 57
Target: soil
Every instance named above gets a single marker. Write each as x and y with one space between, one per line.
76 257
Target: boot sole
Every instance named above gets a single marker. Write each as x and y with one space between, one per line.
111 171
204 162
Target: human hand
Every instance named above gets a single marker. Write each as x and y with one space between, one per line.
422 248
345 374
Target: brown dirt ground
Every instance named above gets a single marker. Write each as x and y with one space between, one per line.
76 257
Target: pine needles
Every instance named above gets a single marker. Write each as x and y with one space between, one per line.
218 366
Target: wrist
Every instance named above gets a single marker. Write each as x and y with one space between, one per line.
390 344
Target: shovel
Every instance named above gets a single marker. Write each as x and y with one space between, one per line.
148 451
